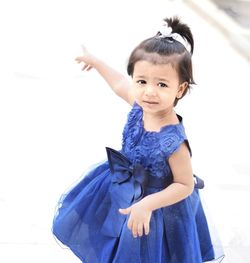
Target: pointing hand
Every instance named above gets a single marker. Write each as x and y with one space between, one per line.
86 58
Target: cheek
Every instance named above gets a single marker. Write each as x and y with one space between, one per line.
168 96
137 92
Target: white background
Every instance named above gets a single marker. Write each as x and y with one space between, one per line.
56 120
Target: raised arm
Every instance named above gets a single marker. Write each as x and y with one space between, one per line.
118 82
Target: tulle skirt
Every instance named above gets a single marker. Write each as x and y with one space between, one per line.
179 233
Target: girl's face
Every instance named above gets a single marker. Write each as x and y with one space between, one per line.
156 86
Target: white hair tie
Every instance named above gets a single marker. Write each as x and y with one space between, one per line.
166 32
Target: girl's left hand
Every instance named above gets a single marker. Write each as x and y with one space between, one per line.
139 218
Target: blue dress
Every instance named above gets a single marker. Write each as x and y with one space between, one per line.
87 219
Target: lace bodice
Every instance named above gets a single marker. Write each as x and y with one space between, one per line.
151 149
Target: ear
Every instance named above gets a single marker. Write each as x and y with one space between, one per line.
182 89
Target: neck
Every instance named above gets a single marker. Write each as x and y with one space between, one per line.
154 122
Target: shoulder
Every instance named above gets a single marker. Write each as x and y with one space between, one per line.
172 138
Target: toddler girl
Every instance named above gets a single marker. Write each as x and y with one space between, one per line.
142 205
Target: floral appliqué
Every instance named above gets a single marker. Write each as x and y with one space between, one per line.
151 149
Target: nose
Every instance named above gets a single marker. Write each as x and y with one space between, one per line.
150 91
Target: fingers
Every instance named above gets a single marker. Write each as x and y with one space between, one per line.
134 230
87 67
138 229
122 211
86 58
130 224
125 211
79 59
137 225
146 228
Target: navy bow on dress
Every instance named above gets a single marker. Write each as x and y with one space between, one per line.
128 185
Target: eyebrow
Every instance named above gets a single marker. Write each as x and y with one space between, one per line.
140 76
162 79
143 77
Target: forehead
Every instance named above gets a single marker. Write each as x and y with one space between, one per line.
156 58
149 69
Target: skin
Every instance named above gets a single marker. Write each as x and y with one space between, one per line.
154 87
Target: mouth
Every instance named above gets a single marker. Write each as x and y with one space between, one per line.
150 102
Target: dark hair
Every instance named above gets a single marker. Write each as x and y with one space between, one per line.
164 50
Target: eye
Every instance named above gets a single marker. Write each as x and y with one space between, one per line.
141 82
162 85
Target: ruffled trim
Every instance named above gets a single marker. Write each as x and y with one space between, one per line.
133 131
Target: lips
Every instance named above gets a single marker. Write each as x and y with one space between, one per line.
150 102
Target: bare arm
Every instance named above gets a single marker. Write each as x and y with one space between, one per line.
183 185
118 82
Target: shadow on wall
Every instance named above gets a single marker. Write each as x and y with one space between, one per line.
231 17
237 9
